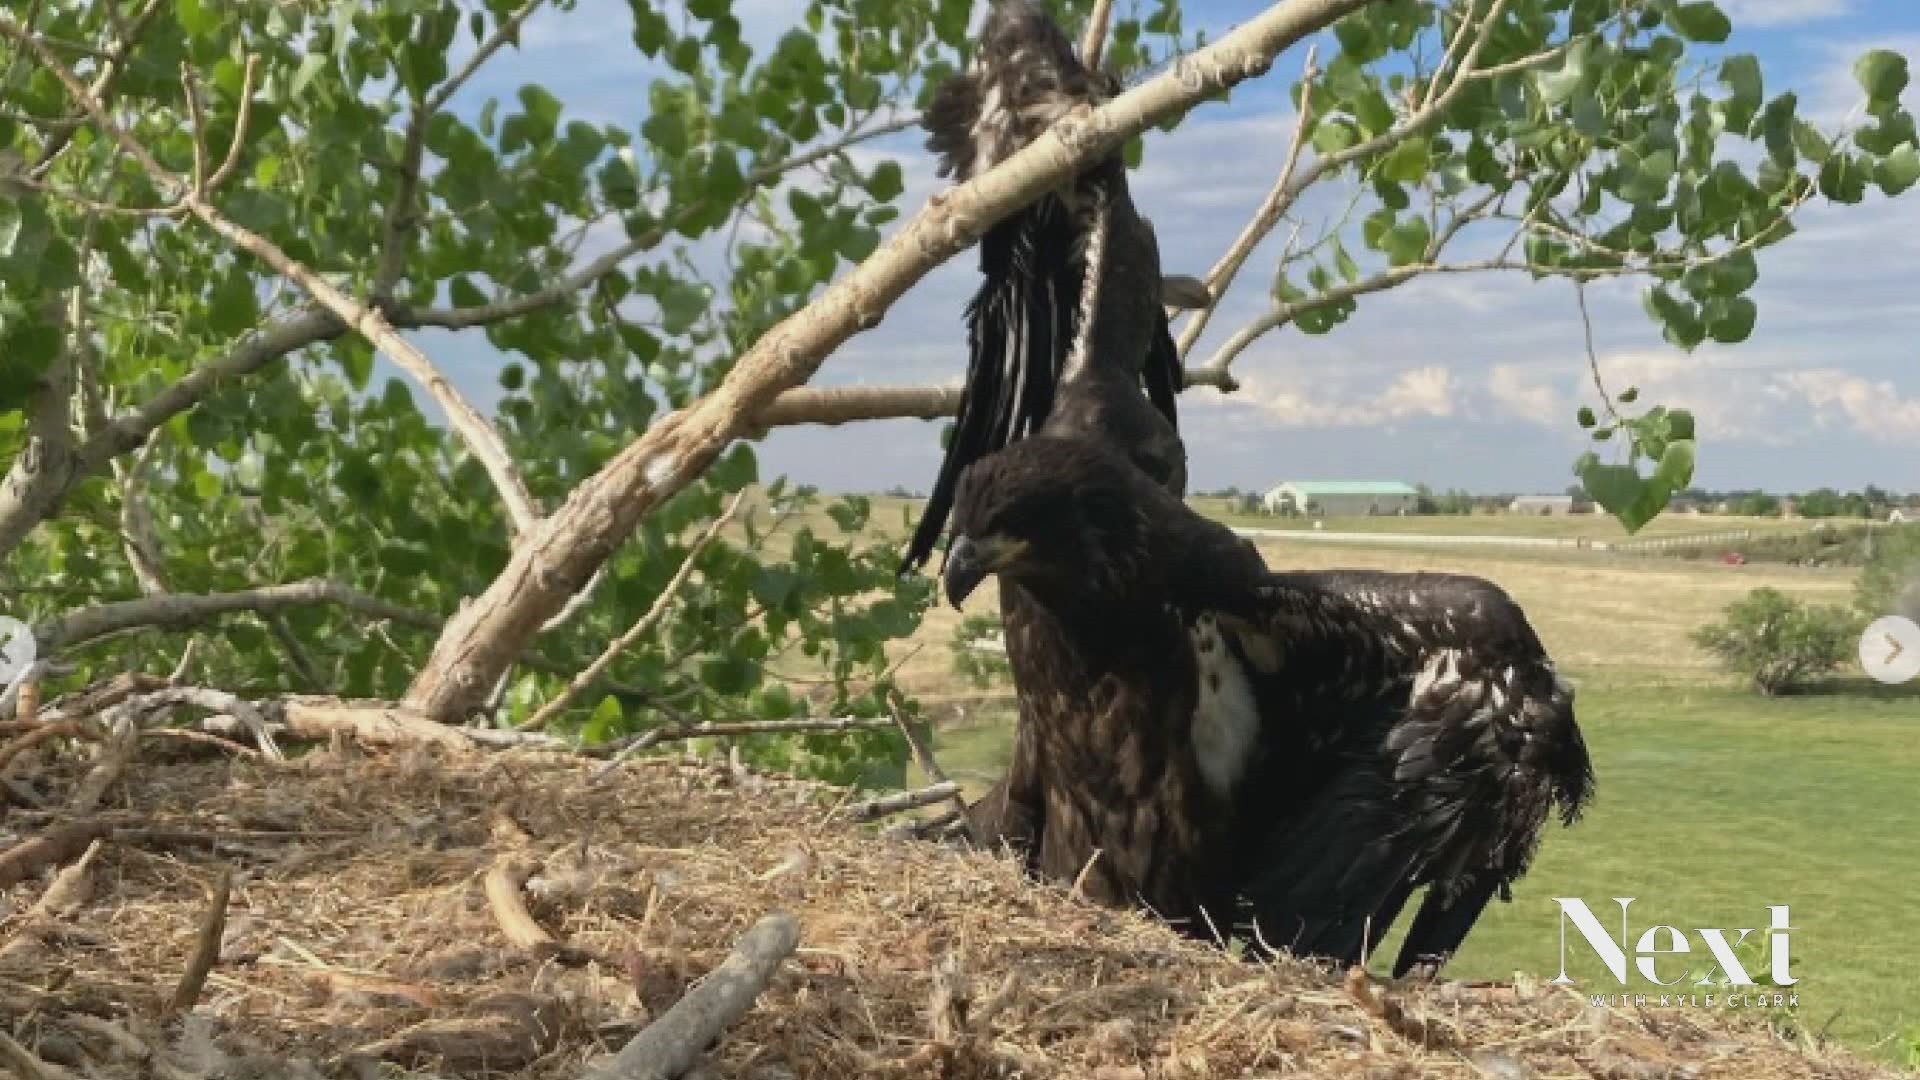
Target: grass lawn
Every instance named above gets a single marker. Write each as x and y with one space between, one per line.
1712 804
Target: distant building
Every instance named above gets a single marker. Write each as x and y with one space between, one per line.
1541 505
1341 498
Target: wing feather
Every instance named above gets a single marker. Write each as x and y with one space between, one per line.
1415 734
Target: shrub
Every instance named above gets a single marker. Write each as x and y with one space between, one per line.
1889 583
1780 642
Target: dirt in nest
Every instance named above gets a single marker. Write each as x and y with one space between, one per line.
359 941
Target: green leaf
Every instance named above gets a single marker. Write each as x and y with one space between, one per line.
886 183
1899 171
1741 76
1585 417
1406 163
1407 241
1882 73
1843 180
1730 318
232 307
1700 21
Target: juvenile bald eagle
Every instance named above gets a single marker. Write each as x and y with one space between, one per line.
1066 333
1290 755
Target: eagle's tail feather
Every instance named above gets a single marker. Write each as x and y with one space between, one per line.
1442 923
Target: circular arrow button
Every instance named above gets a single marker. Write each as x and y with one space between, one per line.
1890 649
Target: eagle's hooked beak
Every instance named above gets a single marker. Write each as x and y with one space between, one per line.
969 561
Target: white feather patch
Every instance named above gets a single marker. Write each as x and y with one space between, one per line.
1226 718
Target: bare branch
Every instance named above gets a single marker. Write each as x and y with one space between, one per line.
206 946
508 32
1220 278
1096 35
625 749
848 404
923 754
569 546
900 802
240 123
186 610
137 533
638 630
668 1047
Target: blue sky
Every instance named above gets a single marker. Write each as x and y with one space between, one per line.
1461 381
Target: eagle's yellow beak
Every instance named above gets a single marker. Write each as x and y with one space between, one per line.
969 561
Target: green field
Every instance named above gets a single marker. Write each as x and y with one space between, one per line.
1712 804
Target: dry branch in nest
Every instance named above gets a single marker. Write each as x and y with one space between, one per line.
670 1046
206 946
503 886
900 802
72 887
59 844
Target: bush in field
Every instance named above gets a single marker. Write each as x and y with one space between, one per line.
1780 642
1890 582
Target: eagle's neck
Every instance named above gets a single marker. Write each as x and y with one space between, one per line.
1108 696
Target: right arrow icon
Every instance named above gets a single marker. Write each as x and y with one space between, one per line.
1890 649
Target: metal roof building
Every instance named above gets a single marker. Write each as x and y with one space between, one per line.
1341 498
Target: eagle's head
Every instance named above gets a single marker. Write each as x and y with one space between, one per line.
1066 517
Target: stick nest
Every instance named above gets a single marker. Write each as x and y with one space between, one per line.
364 937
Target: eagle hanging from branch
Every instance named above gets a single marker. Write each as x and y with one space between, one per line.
1066 328
1066 334
1284 756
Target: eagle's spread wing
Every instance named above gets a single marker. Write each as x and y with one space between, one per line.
1411 731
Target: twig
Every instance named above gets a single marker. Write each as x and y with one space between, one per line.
116 752
240 122
1593 358
638 630
626 748
53 729
113 66
218 701
1096 35
669 1046
51 848
70 889
1220 278
923 754
399 216
900 802
206 947
504 898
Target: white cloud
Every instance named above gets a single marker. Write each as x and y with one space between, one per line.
1423 391
1873 408
1784 12
1524 395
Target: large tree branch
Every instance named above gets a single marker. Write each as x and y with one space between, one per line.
569 546
45 468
